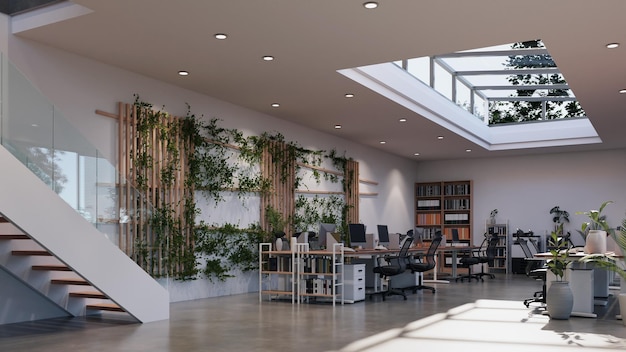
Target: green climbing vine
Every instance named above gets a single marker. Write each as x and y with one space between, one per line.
218 160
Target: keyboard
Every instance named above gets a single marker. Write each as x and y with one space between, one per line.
381 248
348 249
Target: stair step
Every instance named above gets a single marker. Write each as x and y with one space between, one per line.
70 282
51 267
111 307
88 294
31 252
15 236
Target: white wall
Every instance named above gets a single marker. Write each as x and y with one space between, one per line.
78 86
525 188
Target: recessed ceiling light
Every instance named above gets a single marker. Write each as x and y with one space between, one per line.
622 91
337 127
275 105
439 137
349 95
382 142
416 154
612 45
402 120
370 5
220 36
183 73
34 125
468 150
268 58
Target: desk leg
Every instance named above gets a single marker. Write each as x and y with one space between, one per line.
435 280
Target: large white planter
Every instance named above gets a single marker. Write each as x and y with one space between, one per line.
595 242
559 300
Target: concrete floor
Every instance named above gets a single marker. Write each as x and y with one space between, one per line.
241 323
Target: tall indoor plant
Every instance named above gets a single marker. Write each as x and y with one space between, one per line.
615 264
559 297
595 230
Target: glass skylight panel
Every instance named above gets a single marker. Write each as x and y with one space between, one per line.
519 81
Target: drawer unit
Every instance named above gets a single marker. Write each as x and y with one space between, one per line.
353 283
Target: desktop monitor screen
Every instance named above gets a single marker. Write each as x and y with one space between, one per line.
325 229
357 234
383 234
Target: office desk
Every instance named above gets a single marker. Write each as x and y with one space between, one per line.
370 256
454 250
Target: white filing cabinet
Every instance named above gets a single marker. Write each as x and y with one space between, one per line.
353 283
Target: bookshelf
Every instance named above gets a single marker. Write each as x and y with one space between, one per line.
444 206
301 275
502 261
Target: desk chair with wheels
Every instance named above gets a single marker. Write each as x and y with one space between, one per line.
426 262
535 269
395 265
485 254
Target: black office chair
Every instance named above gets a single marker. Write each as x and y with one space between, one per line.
395 265
426 262
485 254
535 269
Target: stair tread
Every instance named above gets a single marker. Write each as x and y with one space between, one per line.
106 306
52 267
69 281
88 294
31 252
14 236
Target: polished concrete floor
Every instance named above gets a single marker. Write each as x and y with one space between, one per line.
242 323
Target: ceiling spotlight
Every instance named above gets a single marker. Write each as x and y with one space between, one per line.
183 73
416 154
220 36
468 150
337 127
349 95
402 120
382 142
439 137
268 58
370 5
275 105
622 91
612 45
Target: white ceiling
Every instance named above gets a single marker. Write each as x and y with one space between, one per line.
311 40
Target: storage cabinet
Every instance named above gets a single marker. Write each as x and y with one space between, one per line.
354 283
502 260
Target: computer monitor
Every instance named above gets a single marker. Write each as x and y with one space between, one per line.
325 230
383 235
357 235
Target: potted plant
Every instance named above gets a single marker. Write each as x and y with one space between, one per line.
559 216
615 264
559 297
492 216
595 230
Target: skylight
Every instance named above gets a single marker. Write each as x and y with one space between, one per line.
510 96
517 82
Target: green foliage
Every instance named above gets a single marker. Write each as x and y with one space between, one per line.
558 215
610 262
597 220
215 167
520 111
227 248
558 260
